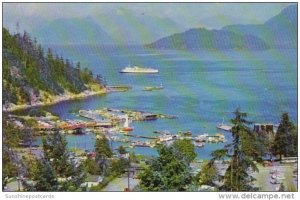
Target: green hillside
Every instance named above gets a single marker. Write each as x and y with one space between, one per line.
31 75
201 38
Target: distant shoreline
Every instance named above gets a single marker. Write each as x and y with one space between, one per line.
57 99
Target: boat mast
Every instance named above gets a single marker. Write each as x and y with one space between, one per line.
126 124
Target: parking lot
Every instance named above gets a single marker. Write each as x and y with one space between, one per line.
282 173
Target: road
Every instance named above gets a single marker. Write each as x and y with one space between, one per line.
118 184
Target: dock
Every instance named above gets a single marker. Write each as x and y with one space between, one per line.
224 127
118 88
87 114
141 136
167 116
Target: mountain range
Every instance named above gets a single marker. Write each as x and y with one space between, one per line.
278 32
138 28
124 28
72 31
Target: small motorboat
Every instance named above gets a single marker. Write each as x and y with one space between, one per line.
152 88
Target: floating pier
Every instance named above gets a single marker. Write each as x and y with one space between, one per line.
118 88
141 136
87 114
224 127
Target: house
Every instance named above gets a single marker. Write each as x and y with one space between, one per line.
92 180
269 128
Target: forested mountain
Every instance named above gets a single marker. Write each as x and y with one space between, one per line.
201 38
31 75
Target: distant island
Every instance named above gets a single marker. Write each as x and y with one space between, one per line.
202 38
247 37
32 77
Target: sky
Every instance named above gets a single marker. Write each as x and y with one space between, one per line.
209 15
116 18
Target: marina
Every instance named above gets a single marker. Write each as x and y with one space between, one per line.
116 125
119 131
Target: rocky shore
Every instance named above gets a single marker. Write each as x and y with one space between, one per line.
54 99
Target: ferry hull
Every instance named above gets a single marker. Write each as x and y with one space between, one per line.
136 72
139 70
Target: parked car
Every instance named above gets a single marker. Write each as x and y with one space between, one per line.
276 181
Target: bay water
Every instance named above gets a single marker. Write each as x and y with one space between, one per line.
201 87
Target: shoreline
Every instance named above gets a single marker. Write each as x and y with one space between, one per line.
57 99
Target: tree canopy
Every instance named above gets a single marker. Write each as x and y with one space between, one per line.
28 70
103 152
208 174
242 154
286 138
46 179
186 149
56 165
169 171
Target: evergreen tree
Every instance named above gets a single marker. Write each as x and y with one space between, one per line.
55 151
10 139
75 179
9 169
285 142
168 172
103 152
91 166
242 154
78 67
27 69
119 166
46 179
122 150
186 149
208 174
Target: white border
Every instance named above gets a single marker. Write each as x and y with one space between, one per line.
137 195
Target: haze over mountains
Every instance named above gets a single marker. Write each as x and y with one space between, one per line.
278 32
128 28
72 31
124 28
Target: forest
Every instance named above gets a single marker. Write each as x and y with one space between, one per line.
30 74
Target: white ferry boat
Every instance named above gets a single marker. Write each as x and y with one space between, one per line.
136 69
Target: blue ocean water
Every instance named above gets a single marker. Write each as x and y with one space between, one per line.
200 87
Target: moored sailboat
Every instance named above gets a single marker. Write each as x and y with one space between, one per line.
126 125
